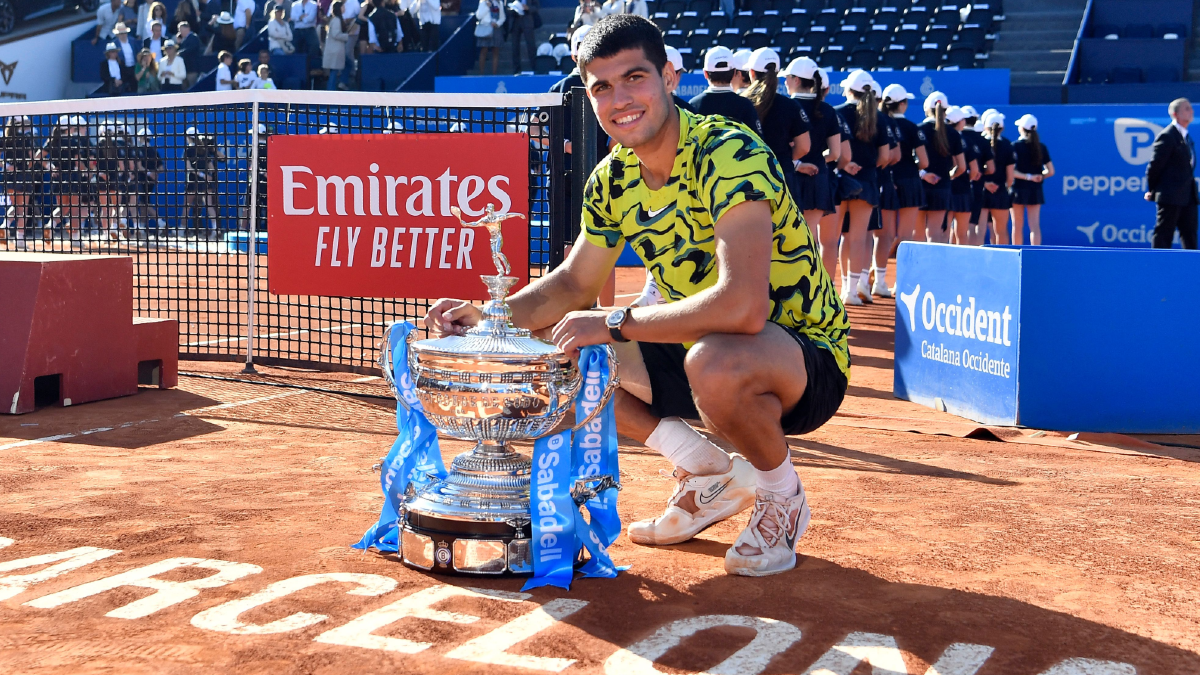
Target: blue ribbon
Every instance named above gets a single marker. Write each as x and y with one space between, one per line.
559 528
415 458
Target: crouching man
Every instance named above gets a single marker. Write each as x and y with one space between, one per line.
753 340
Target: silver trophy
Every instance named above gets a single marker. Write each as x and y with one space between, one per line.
493 384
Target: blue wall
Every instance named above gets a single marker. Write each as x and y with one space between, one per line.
987 87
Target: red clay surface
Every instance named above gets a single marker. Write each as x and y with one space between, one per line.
1055 556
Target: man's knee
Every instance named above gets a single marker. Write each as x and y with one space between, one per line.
718 366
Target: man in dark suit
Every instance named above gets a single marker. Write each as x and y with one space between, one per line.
1170 180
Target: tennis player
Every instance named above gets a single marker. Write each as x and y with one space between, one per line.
753 340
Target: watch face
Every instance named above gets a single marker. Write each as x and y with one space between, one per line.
616 318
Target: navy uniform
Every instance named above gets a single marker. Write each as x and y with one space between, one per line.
906 175
865 153
1027 191
816 192
723 101
983 155
937 197
1002 150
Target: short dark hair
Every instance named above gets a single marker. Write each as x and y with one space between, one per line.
720 78
617 32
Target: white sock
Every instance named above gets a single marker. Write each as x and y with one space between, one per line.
881 276
782 480
864 279
650 294
686 448
851 283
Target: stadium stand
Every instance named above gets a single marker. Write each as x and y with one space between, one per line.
1124 53
898 34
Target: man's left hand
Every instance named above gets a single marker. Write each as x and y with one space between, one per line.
577 330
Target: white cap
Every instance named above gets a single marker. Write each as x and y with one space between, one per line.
896 92
718 60
936 97
857 80
674 58
969 111
993 118
1027 122
762 59
560 50
990 111
741 59
954 114
875 88
577 37
802 67
827 77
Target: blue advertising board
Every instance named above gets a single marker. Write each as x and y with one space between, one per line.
987 87
988 333
1100 154
957 330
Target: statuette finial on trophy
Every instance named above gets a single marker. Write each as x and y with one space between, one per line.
491 220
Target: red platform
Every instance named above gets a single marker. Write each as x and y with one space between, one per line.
68 334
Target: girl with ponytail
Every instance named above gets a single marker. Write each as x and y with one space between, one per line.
944 149
1032 167
869 151
901 206
814 193
997 197
785 129
960 185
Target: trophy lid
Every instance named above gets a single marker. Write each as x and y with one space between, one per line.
488 344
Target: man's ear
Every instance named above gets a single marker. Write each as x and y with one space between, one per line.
670 77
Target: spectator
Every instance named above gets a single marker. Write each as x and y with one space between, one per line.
334 57
451 7
270 6
124 47
304 27
245 77
224 71
385 27
209 11
172 71
488 19
225 37
264 59
1170 181
429 14
113 72
243 19
409 28
351 16
155 41
107 17
279 33
264 78
638 7
155 11
521 29
146 73
190 50
187 11
587 13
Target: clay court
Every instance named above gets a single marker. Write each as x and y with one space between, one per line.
937 546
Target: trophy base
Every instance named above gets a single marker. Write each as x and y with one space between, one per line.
450 546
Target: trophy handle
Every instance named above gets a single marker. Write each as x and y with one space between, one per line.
385 363
614 381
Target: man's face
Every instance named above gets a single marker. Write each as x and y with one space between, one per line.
115 4
631 97
157 32
1183 114
184 30
264 56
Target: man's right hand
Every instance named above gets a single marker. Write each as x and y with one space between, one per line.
1149 196
452 317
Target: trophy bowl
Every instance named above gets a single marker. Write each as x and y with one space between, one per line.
494 384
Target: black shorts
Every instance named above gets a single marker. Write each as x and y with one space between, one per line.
672 394
1027 192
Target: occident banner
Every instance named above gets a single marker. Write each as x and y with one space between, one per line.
371 215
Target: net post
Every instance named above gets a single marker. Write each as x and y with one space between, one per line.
252 241
559 225
584 132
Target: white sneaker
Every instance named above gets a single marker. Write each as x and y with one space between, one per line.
881 288
849 298
864 289
699 501
650 294
768 544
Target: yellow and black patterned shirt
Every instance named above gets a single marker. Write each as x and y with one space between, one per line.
719 164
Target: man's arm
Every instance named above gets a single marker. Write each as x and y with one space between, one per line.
1158 161
738 303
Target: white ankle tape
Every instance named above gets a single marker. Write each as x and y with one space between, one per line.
686 448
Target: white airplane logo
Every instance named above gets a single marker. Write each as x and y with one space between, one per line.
910 301
1089 230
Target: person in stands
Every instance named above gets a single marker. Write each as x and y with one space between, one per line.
172 72
113 73
224 37
489 17
146 73
336 40
186 10
521 29
190 50
279 33
224 72
243 19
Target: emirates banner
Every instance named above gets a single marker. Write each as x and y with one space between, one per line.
373 215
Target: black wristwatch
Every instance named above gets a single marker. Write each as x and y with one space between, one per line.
615 320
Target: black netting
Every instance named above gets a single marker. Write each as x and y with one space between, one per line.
170 187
